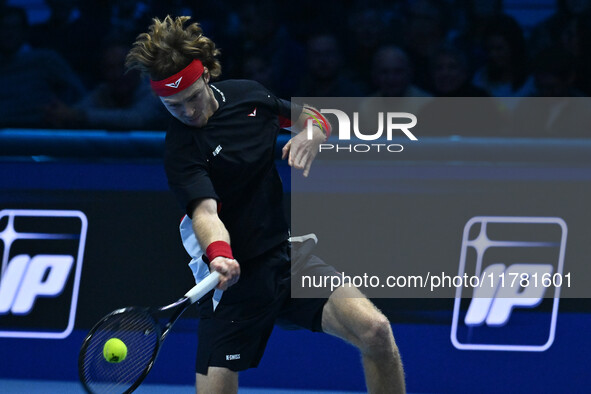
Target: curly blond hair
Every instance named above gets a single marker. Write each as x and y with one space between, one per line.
169 46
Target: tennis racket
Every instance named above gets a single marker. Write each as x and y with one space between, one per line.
139 329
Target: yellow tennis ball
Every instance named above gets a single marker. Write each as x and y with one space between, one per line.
114 350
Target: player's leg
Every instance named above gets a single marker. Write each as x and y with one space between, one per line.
234 336
217 381
348 314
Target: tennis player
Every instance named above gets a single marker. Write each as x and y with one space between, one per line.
219 160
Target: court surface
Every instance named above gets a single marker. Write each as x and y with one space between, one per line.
52 387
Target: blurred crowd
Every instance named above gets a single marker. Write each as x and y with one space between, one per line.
68 71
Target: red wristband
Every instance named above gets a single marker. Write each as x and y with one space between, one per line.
217 249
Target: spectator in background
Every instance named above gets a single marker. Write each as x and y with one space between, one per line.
257 68
559 110
558 29
554 74
122 101
262 33
392 74
178 7
450 74
569 28
326 75
71 27
505 73
425 30
456 111
217 17
583 54
367 32
129 17
471 19
31 78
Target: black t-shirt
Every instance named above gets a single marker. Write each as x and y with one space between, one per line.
231 159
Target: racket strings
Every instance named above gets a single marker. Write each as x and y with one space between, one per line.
140 333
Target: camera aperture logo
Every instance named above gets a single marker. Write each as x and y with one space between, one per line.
42 252
348 132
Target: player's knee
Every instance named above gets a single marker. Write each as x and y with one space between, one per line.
377 337
217 380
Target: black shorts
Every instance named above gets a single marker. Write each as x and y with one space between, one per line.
236 334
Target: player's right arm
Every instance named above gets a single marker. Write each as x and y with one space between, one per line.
213 238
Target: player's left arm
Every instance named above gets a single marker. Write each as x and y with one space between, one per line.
301 150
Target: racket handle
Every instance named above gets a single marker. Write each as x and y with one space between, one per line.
203 287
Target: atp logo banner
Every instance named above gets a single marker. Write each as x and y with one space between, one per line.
42 252
520 263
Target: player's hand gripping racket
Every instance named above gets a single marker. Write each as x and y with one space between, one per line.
141 333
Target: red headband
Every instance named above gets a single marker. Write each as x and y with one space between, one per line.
179 81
